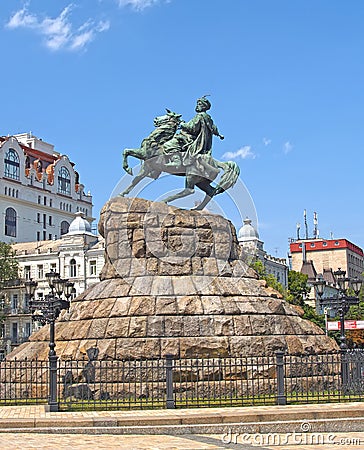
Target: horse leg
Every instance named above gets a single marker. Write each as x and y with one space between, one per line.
209 191
142 174
188 190
136 152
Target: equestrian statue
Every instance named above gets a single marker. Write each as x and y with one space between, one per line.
183 149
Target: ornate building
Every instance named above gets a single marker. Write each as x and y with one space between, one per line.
328 254
253 248
40 190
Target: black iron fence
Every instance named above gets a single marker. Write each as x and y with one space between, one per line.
187 382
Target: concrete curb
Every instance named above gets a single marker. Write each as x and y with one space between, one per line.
284 419
314 426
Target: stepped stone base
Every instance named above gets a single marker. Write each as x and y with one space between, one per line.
174 283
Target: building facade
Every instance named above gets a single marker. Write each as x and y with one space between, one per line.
77 256
40 190
328 254
253 248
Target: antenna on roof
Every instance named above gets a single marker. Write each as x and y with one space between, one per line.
315 222
298 226
306 226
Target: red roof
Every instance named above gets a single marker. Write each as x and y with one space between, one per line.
38 154
324 244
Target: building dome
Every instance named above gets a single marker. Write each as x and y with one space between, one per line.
247 232
79 225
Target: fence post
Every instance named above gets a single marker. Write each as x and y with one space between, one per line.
344 369
169 382
281 398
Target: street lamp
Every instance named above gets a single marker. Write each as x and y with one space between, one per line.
46 312
342 301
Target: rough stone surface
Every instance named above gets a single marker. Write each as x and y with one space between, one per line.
174 283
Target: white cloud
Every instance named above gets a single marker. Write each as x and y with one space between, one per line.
267 141
243 153
58 32
138 5
287 147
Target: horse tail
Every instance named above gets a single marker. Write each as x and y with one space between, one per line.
229 177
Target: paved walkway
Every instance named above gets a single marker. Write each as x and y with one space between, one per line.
25 441
275 427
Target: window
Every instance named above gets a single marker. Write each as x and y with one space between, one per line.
38 235
10 222
73 268
64 227
64 181
50 202
93 267
38 217
27 272
39 199
44 235
50 220
11 164
44 221
6 190
14 303
324 244
50 236
14 332
40 271
28 329
45 201
53 267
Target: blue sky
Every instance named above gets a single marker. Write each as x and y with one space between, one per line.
285 79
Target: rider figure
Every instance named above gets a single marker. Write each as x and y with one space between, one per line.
195 138
201 129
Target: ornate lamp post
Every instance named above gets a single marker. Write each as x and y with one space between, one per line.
46 312
342 301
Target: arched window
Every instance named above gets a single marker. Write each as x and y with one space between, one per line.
10 222
64 181
73 268
11 164
64 227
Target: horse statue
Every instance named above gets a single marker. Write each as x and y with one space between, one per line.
166 150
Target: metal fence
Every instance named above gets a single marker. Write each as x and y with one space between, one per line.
187 382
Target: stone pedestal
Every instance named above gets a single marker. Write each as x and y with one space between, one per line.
174 283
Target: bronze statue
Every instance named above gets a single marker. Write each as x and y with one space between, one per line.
185 153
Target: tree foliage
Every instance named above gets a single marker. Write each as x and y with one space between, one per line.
9 268
297 287
297 290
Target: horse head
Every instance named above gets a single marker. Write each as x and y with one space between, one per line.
170 118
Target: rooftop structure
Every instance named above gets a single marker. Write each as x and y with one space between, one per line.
40 190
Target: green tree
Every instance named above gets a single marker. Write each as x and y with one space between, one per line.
9 267
297 290
271 280
298 287
9 270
